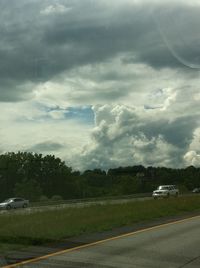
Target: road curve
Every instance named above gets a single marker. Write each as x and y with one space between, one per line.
173 245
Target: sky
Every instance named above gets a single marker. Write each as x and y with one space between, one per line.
101 84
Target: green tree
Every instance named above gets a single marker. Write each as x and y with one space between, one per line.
28 189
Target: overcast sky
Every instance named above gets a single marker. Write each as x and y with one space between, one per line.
101 83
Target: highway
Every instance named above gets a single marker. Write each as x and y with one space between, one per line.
82 203
170 245
77 204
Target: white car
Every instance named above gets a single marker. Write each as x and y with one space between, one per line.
14 203
165 191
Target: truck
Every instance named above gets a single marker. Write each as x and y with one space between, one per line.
165 191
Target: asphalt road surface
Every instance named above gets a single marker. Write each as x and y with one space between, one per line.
73 205
171 245
81 204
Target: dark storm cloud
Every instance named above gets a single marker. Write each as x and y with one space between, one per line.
179 132
39 40
128 31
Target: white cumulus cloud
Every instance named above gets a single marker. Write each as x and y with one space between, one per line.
121 137
55 8
192 158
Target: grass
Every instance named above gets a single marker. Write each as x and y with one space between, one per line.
39 228
7 247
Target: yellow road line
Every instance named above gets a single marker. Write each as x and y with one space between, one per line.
97 242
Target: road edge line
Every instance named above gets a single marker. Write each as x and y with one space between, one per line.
60 252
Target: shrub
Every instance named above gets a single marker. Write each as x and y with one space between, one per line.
43 198
56 198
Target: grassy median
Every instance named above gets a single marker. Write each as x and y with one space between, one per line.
52 226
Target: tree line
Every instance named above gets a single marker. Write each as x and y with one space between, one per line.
37 177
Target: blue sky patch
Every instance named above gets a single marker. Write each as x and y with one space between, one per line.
84 114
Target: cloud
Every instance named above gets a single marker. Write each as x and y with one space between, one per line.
32 129
192 158
79 113
135 62
46 146
128 136
54 9
35 48
161 98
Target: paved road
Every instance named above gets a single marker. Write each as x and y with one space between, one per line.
72 205
82 204
174 245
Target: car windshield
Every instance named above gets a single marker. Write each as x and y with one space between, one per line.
163 188
8 200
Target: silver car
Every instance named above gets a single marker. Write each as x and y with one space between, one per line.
14 203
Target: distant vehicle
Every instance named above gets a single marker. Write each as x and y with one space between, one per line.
196 190
14 203
165 191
